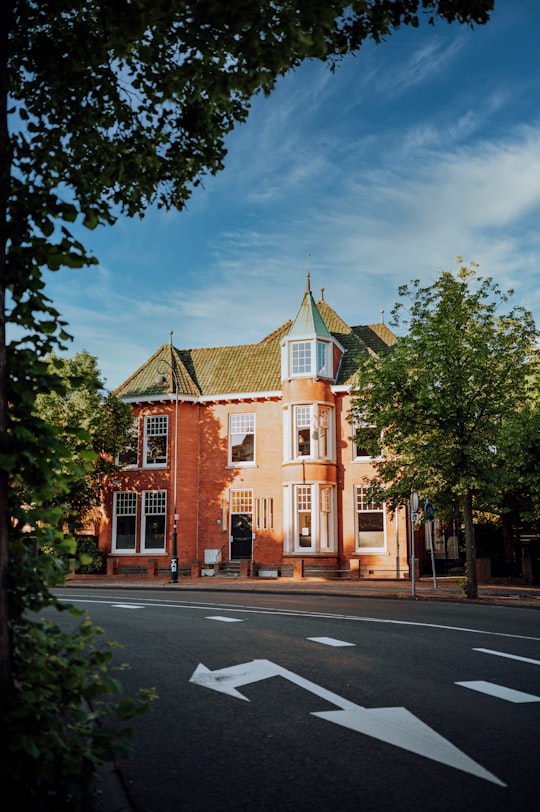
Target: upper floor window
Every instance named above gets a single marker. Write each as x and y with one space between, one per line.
323 356
155 440
128 457
301 357
366 443
302 426
311 432
241 439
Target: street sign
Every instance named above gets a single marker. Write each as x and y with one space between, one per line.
429 511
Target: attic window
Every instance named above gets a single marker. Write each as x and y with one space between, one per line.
301 357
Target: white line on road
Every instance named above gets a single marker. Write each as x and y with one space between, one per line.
510 656
128 605
207 606
499 691
226 619
330 641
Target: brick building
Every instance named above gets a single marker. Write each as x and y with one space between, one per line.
250 447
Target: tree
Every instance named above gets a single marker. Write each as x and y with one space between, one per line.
94 426
440 398
109 107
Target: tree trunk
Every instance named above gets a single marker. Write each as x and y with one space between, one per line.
5 171
470 546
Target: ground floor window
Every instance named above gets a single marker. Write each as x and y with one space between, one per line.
370 534
153 521
309 520
124 521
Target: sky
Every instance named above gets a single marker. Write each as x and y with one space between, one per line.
414 152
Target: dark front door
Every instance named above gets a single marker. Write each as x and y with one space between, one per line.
241 532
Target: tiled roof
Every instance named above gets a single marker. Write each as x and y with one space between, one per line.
247 368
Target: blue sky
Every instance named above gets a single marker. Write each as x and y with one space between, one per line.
414 152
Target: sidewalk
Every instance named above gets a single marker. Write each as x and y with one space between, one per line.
446 588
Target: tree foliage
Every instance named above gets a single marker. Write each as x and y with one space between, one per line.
109 107
94 426
442 397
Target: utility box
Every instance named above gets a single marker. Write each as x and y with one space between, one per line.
212 556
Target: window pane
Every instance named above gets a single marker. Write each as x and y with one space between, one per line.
303 431
242 434
303 516
370 530
301 357
370 517
322 357
154 520
154 535
125 533
128 456
125 507
156 440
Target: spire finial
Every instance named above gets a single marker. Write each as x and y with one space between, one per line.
322 294
308 278
382 316
170 337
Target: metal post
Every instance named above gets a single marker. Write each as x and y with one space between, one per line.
174 551
414 518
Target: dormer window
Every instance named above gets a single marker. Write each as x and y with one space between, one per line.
323 350
303 354
301 357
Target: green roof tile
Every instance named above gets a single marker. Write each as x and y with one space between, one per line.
215 371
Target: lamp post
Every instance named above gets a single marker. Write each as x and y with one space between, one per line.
161 379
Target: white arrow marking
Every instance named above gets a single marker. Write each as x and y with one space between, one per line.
396 726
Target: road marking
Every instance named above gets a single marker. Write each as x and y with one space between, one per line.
510 656
208 606
127 605
330 641
396 726
226 619
499 691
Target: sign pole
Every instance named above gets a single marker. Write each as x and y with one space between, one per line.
429 514
414 519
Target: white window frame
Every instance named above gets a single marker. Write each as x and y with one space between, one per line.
357 425
319 420
152 424
153 499
321 497
323 369
364 505
124 504
244 423
301 358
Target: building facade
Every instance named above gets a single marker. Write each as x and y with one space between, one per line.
246 453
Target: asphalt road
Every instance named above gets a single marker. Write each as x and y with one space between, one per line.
327 702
